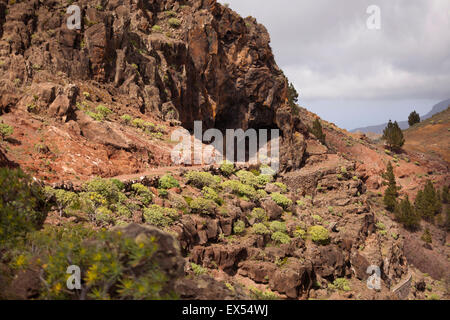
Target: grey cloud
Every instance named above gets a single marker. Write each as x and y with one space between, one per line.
326 49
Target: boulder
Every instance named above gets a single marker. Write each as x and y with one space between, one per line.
273 210
294 279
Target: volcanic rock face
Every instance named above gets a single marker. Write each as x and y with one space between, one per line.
209 65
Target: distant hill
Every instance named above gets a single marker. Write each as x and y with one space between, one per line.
432 136
378 129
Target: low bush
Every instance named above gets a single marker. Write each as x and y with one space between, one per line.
248 178
340 284
276 226
5 130
264 179
259 214
159 216
23 205
260 228
174 22
239 227
281 237
112 266
168 182
103 111
282 186
142 193
211 194
319 234
201 179
203 206
198 270
127 118
227 168
281 200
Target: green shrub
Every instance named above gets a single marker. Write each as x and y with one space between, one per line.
426 237
201 179
247 191
260 228
227 168
5 130
107 188
301 203
276 226
282 186
340 284
240 189
211 194
168 182
263 295
127 118
138 123
121 210
159 216
142 193
300 233
247 178
113 266
281 200
380 226
203 206
95 116
170 13
264 179
259 214
281 237
198 270
174 22
103 111
22 204
104 216
433 296
239 227
261 194
67 202
319 234
156 28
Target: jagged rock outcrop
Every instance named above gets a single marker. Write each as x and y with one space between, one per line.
211 65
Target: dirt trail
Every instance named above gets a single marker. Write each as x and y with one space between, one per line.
160 171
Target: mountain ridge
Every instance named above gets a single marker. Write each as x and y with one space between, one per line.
378 129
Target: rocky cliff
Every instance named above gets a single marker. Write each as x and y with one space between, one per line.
102 100
175 60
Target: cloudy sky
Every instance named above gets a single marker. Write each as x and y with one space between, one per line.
349 74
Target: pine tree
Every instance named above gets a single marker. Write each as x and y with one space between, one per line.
406 215
317 131
413 118
427 236
293 98
428 203
391 193
393 135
